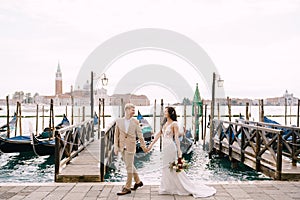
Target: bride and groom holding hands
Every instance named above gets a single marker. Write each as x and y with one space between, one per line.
172 182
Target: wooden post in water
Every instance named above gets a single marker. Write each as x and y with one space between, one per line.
20 121
290 113
154 117
122 108
7 118
247 111
51 120
66 111
184 116
229 108
161 121
99 118
201 121
285 111
43 117
57 155
78 115
261 110
212 114
298 111
218 107
37 119
202 128
103 115
72 106
83 113
19 116
204 135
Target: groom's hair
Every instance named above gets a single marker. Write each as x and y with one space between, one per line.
128 106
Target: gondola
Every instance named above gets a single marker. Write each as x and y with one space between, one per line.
44 144
25 143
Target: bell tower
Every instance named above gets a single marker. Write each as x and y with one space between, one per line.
58 81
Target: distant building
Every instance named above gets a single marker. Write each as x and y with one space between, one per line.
280 101
58 82
138 100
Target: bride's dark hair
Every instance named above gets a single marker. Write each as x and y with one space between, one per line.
172 114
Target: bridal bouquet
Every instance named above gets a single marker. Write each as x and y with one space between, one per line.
179 165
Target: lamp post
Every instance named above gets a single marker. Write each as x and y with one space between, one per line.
104 81
212 112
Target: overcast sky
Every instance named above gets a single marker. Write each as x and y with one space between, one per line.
254 44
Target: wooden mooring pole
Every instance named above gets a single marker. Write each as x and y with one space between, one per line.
83 113
7 118
261 110
103 113
285 111
184 116
37 119
298 111
43 117
99 118
204 135
161 121
229 108
247 111
154 117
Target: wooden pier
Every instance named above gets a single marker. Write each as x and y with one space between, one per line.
80 156
261 146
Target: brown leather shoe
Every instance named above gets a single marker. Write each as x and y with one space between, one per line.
124 191
137 185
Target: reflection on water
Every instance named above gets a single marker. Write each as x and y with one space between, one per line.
201 168
26 167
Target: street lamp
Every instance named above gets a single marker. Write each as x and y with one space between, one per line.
212 112
104 81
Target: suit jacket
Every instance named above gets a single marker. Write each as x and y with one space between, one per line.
128 140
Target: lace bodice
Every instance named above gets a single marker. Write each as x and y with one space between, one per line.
167 131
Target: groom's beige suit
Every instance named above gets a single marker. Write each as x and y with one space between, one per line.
125 142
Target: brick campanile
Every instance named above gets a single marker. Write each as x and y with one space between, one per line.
58 81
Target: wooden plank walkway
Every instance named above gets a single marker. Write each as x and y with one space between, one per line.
289 172
85 167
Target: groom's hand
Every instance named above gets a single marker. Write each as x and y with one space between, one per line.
116 151
145 149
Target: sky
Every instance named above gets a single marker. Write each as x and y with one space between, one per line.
254 44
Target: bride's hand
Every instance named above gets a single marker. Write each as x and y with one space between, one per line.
150 147
179 153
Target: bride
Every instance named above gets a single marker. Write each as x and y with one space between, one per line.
173 182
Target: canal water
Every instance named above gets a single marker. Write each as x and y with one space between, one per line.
27 167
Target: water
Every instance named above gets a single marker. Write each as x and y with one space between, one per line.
201 168
15 167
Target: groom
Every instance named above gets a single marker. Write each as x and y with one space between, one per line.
126 131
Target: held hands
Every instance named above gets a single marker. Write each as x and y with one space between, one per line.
116 151
179 153
145 149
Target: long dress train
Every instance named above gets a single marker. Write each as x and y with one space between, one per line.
173 182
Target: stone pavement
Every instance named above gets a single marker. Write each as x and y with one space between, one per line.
262 190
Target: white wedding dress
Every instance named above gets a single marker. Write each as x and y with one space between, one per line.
173 182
